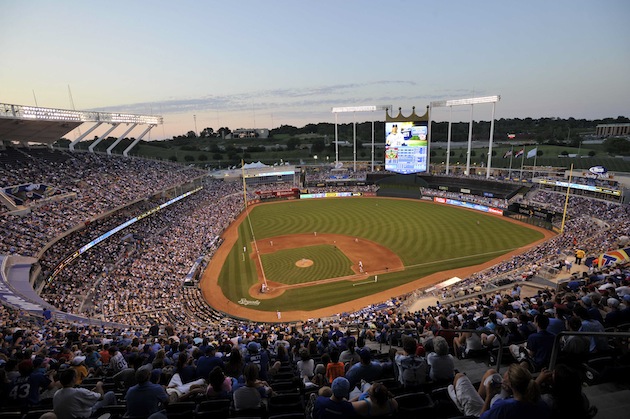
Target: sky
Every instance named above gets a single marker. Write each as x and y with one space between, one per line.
262 64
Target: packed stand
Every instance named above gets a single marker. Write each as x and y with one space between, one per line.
91 184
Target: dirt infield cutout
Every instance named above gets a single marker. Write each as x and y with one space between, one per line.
374 258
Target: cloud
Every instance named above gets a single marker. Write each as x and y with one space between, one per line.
309 97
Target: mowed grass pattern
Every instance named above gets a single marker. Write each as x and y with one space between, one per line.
427 237
328 262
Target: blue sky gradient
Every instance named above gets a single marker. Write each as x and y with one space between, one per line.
265 63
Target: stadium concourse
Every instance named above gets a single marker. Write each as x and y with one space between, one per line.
116 318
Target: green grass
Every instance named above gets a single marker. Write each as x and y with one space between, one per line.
328 262
428 238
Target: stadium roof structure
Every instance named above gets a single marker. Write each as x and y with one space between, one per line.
33 124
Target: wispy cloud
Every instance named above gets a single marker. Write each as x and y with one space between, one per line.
309 97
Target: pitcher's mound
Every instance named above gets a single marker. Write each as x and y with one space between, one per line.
304 263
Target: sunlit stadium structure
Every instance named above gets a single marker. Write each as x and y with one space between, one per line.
32 124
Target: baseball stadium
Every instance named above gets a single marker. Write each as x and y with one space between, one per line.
124 270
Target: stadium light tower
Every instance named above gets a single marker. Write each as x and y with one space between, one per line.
463 102
354 110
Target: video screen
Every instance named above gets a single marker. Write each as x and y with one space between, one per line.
406 147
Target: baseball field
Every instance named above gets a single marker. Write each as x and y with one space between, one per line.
339 254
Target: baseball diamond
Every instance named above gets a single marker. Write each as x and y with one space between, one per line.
408 244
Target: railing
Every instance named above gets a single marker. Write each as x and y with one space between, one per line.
475 331
556 344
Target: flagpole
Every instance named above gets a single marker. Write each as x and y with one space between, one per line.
535 157
511 154
522 162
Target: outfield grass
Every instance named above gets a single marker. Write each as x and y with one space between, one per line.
428 238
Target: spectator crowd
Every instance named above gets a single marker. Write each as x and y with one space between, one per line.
176 348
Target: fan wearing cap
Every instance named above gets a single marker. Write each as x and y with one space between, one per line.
259 357
337 405
78 364
591 308
367 369
613 317
207 362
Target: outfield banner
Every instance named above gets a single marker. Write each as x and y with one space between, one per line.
329 195
591 188
469 205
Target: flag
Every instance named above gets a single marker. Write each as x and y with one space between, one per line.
507 154
519 153
531 153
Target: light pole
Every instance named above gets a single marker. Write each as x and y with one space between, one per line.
196 132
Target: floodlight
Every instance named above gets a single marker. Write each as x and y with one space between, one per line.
354 109
468 101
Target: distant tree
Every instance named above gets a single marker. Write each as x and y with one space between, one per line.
318 145
173 158
592 153
619 146
309 129
293 143
188 157
285 129
539 152
564 153
207 132
223 131
191 134
202 157
217 156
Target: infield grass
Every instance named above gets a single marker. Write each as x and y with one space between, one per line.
328 262
427 237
